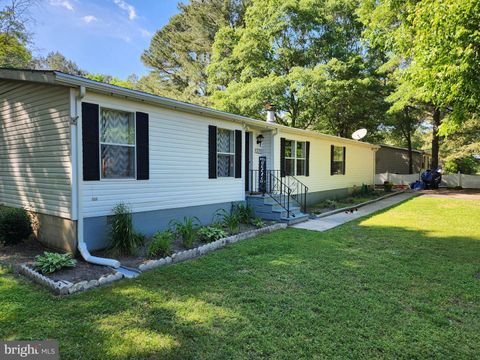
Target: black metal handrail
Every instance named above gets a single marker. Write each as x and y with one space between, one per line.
299 191
280 189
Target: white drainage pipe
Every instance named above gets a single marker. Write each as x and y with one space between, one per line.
77 165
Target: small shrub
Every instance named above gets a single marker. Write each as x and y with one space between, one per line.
211 233
466 165
15 225
243 212
258 223
186 230
387 186
123 239
331 203
51 262
140 239
161 244
228 219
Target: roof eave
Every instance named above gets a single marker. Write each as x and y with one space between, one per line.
59 78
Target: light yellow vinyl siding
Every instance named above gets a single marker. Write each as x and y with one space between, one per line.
360 161
35 168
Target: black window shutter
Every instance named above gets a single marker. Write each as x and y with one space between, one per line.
90 142
238 154
344 163
282 157
332 157
212 152
247 161
143 162
307 158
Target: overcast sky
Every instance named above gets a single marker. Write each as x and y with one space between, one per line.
101 36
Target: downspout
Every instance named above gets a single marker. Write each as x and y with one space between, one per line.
81 245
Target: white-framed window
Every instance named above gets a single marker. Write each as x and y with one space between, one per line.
225 153
295 157
301 157
338 164
117 144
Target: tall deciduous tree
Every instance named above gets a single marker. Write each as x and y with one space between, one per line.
57 61
303 56
403 126
14 37
181 50
433 45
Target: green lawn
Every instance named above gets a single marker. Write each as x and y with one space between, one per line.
401 284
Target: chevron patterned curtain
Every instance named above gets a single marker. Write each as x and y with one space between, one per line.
225 153
117 138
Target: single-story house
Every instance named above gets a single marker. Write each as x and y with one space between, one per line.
72 148
394 159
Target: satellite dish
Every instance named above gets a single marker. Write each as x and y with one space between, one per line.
359 134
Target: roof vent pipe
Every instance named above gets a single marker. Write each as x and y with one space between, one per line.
270 113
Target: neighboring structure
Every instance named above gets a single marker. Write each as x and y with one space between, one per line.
73 148
394 159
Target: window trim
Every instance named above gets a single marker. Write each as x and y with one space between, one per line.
332 161
134 145
295 158
233 154
304 159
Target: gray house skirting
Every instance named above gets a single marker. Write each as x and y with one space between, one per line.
317 196
148 222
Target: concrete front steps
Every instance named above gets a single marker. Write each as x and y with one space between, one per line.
266 208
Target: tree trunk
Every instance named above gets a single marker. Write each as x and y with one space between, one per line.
410 153
407 133
435 137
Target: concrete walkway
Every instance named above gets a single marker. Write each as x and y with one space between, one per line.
329 222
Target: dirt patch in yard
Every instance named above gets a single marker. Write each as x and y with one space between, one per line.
13 255
464 194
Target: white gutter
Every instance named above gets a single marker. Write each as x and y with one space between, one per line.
113 90
77 148
59 78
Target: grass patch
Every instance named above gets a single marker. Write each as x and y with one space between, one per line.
399 284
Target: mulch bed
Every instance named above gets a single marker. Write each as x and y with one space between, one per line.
134 261
12 256
326 206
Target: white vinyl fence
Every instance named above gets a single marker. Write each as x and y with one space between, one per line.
448 180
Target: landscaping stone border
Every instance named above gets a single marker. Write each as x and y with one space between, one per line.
66 288
204 249
63 287
336 211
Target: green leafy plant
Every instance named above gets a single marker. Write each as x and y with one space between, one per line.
208 234
387 186
228 219
243 212
465 165
161 244
15 225
186 230
51 262
123 239
258 223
